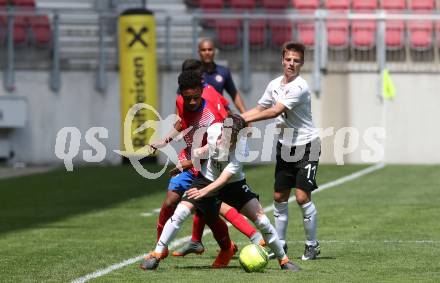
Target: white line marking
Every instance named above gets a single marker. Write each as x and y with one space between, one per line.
180 241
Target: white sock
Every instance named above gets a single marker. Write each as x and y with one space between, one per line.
256 238
310 222
270 236
172 227
281 215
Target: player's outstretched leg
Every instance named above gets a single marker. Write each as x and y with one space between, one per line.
227 247
253 210
172 226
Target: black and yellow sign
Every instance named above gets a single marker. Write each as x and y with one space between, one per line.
138 72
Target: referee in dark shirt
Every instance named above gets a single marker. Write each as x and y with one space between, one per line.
218 76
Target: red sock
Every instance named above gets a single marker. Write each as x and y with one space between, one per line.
198 227
240 222
220 231
165 213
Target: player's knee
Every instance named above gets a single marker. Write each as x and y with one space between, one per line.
301 197
262 222
180 215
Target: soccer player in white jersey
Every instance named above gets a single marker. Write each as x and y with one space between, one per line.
287 98
221 179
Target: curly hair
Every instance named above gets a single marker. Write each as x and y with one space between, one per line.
236 123
189 79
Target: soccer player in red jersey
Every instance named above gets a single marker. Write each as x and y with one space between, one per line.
195 113
228 212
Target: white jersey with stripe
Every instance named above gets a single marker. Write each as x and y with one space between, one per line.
296 122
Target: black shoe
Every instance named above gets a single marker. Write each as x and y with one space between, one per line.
311 252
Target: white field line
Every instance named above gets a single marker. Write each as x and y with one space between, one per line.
178 242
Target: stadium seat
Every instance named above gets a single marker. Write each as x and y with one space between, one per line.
242 5
306 33
228 33
437 31
24 4
394 37
40 30
337 4
420 35
363 34
305 4
212 5
20 30
338 34
257 33
277 5
422 5
395 5
364 5
280 32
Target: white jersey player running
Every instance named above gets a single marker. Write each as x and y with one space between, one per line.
222 180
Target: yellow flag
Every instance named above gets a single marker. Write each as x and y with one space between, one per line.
388 89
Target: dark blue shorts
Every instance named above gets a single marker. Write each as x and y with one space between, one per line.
181 182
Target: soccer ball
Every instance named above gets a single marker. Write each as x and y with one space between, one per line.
253 258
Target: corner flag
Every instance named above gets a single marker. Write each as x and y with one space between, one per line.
388 90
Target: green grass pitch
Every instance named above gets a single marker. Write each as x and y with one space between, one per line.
60 226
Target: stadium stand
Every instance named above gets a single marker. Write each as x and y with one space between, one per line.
41 33
280 32
228 33
338 30
424 5
305 5
363 32
341 5
364 5
23 4
306 30
20 31
275 5
242 5
257 34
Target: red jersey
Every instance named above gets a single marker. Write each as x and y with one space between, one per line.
211 111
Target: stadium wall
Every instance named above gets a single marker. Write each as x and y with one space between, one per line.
347 100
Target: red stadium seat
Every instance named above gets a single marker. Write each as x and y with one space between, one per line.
305 4
395 5
422 5
228 32
363 34
306 33
212 5
242 5
257 33
394 37
280 32
337 4
20 30
24 4
420 34
41 32
277 5
364 5
437 31
3 28
338 34
3 4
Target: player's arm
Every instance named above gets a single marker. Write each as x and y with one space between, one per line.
238 102
265 114
169 137
253 111
214 186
